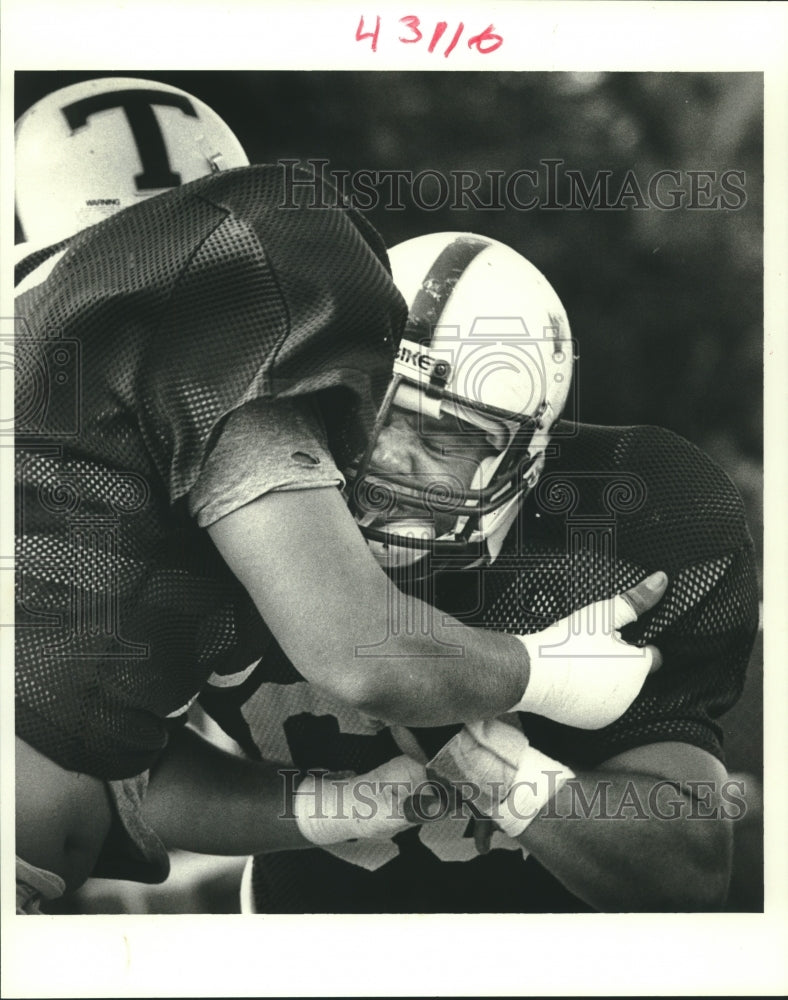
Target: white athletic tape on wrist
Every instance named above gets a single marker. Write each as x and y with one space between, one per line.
509 780
537 780
331 809
316 805
572 688
536 777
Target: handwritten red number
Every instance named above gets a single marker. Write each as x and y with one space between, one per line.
485 42
487 37
440 27
413 23
361 35
454 41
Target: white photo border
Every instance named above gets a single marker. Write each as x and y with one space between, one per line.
721 954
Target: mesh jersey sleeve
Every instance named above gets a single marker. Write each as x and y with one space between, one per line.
264 447
181 309
273 303
167 318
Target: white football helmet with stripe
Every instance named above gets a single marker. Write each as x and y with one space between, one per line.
90 149
487 347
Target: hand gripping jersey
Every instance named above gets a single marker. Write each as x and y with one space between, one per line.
147 330
614 504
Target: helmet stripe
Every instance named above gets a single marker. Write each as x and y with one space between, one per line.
438 284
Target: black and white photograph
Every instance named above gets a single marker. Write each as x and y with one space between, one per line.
387 562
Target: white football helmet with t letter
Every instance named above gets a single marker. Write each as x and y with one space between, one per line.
92 148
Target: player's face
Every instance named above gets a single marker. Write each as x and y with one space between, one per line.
440 456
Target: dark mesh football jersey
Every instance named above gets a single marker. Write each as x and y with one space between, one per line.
151 328
613 505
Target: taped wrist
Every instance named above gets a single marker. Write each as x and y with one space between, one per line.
548 683
499 773
536 781
330 809
322 810
582 678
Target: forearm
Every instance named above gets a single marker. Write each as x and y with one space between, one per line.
633 842
472 675
347 628
202 799
448 674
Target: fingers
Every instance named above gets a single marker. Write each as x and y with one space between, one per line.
656 658
424 808
502 740
488 732
409 811
628 607
402 768
483 829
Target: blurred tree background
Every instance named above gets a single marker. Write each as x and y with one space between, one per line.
666 305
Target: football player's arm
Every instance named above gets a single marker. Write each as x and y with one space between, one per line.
198 798
346 628
647 830
62 817
202 799
671 848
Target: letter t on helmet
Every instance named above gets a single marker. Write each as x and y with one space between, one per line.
92 148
